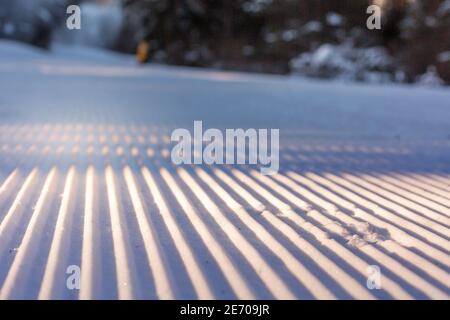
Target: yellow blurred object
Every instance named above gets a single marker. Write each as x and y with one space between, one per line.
142 52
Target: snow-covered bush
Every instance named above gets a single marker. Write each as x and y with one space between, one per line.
444 8
430 78
344 61
334 19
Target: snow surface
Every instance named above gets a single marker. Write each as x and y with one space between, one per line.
85 180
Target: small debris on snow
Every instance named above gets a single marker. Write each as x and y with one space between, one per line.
306 208
356 241
372 237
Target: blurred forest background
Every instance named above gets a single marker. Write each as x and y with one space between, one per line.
317 38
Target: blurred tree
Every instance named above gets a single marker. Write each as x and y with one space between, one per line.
265 35
31 21
425 37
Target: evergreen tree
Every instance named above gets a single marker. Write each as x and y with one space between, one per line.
31 21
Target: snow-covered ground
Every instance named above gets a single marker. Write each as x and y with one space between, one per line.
85 180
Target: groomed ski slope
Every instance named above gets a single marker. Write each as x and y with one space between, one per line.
86 179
